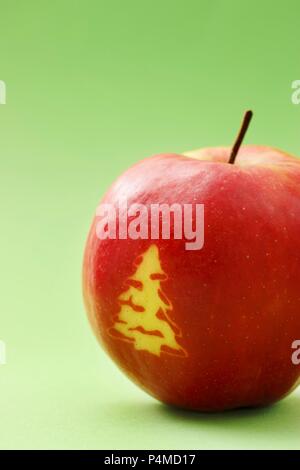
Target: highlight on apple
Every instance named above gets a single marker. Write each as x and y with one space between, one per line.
154 222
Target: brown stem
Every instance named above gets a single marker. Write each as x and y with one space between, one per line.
240 137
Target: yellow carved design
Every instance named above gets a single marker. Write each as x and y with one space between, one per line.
143 318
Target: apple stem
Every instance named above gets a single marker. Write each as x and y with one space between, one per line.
240 137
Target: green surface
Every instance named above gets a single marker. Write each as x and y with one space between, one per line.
92 87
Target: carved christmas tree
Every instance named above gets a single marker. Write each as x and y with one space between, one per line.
143 318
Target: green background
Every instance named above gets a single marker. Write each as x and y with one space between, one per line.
92 87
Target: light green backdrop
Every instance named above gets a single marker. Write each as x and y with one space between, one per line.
92 87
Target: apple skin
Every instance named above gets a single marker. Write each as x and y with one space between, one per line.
236 301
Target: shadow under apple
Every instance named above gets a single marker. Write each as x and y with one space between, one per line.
158 426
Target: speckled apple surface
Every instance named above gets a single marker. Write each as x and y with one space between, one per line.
90 94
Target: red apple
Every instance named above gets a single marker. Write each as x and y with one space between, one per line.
207 329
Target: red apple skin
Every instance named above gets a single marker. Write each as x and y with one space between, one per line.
237 300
